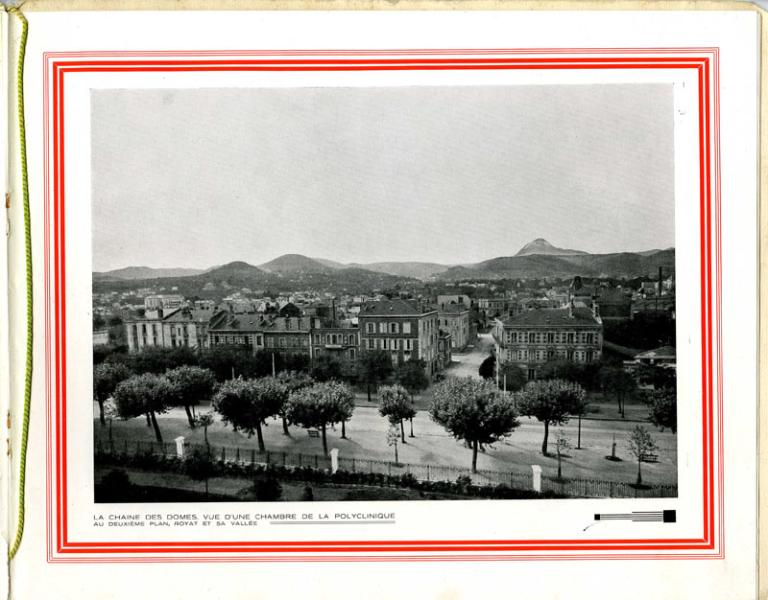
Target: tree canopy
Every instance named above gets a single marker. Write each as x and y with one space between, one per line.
487 368
147 393
412 375
326 368
395 404
106 377
372 367
192 385
247 403
320 405
662 408
551 401
474 411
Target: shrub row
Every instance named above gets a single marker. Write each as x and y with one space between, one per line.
463 485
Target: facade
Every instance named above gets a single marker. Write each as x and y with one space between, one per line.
454 319
447 300
444 351
665 357
100 337
404 328
163 302
535 337
288 335
338 341
230 329
182 327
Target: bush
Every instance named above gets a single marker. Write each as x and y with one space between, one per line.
267 488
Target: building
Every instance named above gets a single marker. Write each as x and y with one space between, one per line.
182 327
446 300
405 328
454 319
444 352
535 337
336 339
665 357
288 335
100 337
162 302
237 329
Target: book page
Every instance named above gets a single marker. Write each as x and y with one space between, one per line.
358 290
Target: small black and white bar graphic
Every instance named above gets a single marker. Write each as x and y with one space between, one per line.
651 516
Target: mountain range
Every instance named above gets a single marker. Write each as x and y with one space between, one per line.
537 259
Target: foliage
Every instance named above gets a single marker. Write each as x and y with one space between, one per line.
551 401
140 394
395 404
644 331
320 405
640 443
199 466
474 411
662 408
247 403
487 368
192 385
147 393
620 384
157 359
587 375
106 377
658 377
372 367
412 375
326 368
515 378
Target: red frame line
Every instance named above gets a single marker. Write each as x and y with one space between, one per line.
59 544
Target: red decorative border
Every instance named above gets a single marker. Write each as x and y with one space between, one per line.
704 61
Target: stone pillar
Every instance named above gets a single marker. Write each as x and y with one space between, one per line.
180 446
334 460
536 478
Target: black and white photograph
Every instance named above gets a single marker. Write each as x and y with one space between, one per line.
384 293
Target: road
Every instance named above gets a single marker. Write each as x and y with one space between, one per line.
466 364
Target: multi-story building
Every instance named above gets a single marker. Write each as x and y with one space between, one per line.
446 300
162 302
288 335
406 329
337 339
444 354
535 337
182 327
454 319
231 329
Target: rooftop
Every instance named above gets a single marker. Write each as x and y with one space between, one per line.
663 352
552 317
396 306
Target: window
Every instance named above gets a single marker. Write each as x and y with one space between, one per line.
590 355
370 344
531 337
282 342
382 327
259 340
408 344
393 328
378 343
570 339
406 328
317 338
385 344
550 337
513 337
531 374
569 355
370 328
590 338
401 344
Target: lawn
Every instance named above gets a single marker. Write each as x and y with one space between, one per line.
366 434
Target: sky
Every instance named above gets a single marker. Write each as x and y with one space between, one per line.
453 175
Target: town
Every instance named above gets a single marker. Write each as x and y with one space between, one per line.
577 369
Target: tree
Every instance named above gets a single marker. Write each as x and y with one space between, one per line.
551 402
580 409
292 380
487 368
321 405
392 438
412 375
640 444
372 367
106 377
561 444
205 420
396 405
193 385
512 378
621 384
148 394
474 411
247 403
156 359
199 466
326 368
662 408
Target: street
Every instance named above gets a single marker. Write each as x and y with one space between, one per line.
466 364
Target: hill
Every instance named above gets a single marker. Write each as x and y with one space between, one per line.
295 263
145 273
542 246
417 270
